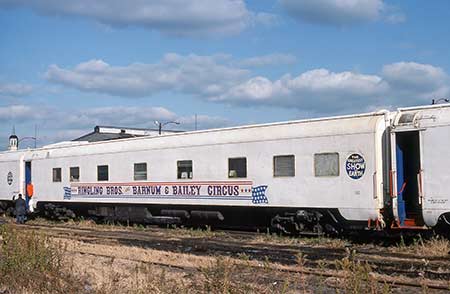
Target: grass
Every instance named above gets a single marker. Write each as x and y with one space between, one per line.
33 263
274 238
30 263
143 279
225 276
434 247
358 277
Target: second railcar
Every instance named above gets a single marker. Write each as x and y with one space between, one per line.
300 176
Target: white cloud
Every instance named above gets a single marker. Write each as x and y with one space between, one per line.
178 17
192 74
203 76
415 80
220 78
415 75
341 12
129 116
14 89
264 18
56 125
317 90
203 122
21 112
395 18
268 60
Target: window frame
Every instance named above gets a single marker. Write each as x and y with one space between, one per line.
54 178
237 176
70 174
190 174
274 166
338 165
98 173
134 171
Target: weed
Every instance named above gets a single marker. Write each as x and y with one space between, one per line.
218 277
31 263
143 279
301 261
436 246
358 276
243 256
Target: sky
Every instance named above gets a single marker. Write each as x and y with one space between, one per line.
66 66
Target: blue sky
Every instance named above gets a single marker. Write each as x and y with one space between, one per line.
67 66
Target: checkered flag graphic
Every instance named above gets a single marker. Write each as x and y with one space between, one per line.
67 193
259 195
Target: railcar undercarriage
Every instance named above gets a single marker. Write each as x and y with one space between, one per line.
288 221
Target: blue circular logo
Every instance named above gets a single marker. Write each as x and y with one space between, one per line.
355 166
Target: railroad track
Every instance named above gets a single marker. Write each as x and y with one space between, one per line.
238 244
408 282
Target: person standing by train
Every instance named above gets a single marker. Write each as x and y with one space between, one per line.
21 210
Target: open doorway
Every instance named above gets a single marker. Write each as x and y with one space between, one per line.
408 167
27 181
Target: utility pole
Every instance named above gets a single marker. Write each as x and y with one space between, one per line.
35 135
196 121
160 124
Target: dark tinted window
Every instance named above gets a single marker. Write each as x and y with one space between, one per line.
184 169
102 173
284 166
237 167
140 171
57 174
75 174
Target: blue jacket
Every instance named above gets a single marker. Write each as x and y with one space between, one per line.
21 206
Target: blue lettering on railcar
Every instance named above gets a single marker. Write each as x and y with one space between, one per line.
355 166
223 190
90 190
146 190
114 190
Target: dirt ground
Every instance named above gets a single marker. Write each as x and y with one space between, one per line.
116 267
172 264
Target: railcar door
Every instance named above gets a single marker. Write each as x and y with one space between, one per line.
406 174
409 204
27 181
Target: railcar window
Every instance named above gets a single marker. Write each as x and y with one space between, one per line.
75 174
326 164
140 171
57 174
284 166
237 167
102 173
184 169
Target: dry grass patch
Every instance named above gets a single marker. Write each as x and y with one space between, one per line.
436 246
358 277
273 238
30 263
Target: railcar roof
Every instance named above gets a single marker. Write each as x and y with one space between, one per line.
302 121
422 107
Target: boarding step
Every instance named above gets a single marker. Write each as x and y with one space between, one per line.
410 222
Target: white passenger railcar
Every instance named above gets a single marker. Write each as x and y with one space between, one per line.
372 170
420 166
